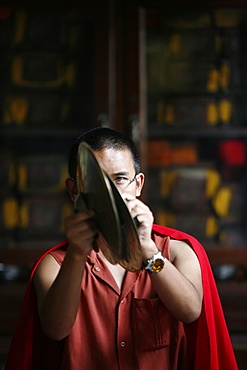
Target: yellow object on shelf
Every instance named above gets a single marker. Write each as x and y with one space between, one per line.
225 110
213 81
212 227
222 200
212 114
213 182
10 213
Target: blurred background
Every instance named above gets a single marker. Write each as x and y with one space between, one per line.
170 74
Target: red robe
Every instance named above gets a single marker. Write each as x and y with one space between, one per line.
208 339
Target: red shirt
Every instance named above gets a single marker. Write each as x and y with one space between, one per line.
127 330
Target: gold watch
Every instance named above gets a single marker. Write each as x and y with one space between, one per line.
155 264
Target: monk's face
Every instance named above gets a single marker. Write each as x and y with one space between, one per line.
119 166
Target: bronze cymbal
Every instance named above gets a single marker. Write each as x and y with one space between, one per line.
113 219
131 257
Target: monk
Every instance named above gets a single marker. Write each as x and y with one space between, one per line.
82 312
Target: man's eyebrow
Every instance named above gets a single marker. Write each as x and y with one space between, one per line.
120 173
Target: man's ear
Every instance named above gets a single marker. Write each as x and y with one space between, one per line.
140 178
72 188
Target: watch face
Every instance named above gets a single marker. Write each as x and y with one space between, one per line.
158 265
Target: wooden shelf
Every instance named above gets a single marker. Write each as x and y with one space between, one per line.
227 255
159 131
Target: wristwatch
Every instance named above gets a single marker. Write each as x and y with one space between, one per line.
155 264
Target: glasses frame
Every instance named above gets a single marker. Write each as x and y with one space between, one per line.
130 181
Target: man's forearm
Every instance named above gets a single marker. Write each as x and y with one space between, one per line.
177 293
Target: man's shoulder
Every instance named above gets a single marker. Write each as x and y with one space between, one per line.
174 234
59 248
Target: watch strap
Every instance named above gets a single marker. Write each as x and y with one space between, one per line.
155 264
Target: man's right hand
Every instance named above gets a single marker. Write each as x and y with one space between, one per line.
81 231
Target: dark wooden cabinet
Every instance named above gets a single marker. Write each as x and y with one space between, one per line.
193 116
53 86
191 129
54 83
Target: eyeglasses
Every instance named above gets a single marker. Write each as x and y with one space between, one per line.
123 182
120 181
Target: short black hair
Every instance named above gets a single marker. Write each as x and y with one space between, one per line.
101 138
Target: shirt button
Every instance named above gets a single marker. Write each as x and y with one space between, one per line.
122 301
122 344
97 268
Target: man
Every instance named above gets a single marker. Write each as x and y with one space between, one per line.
86 313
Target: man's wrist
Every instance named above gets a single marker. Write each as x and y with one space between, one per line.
154 264
75 254
149 250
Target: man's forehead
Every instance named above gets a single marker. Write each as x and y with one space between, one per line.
115 157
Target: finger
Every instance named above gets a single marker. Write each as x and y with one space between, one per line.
127 196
